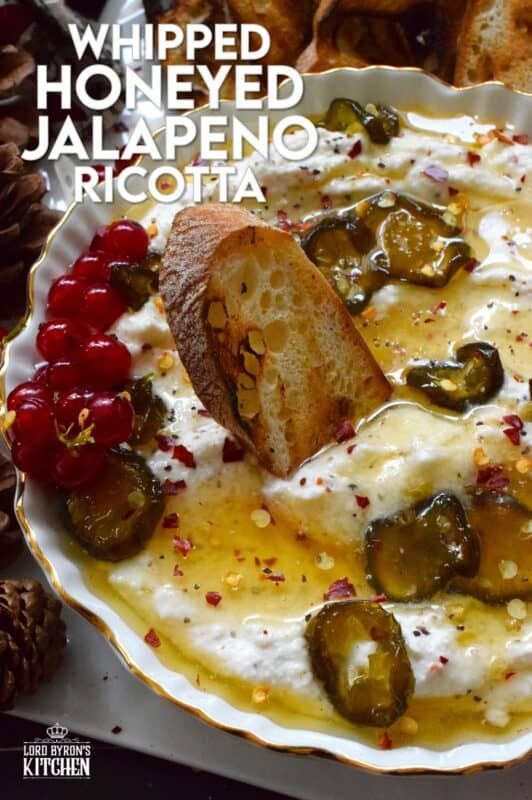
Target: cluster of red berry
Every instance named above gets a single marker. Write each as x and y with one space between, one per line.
67 415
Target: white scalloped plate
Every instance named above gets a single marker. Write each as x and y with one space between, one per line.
39 517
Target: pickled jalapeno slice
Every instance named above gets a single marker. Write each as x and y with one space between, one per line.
358 652
114 517
473 377
150 411
413 238
504 529
413 554
135 282
338 246
380 122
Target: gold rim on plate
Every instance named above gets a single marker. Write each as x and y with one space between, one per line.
102 626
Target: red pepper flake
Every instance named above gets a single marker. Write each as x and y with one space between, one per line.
502 137
444 660
453 192
350 449
385 743
509 675
319 481
356 149
269 561
173 487
471 264
362 500
326 202
340 589
183 546
441 306
379 598
164 442
515 421
345 432
276 577
513 435
302 481
171 521
520 138
178 572
436 173
152 639
283 220
182 454
202 412
213 598
492 478
198 161
472 158
231 451
116 729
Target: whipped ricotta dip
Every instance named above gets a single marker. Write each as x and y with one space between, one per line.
229 587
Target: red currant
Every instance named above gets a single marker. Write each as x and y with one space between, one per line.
69 405
113 418
3 333
34 423
64 374
66 296
91 267
34 461
96 245
126 239
77 466
102 305
59 339
25 392
40 375
106 361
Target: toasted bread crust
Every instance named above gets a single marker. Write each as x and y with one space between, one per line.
200 238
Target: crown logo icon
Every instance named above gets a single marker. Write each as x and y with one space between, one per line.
56 731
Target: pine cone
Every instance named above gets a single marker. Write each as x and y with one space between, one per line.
32 638
18 113
24 226
11 543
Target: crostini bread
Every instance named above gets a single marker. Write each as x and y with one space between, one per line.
495 43
269 347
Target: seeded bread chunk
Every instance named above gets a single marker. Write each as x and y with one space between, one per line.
495 43
270 349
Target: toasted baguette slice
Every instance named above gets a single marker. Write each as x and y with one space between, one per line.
269 347
495 43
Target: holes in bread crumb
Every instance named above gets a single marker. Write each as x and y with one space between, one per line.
280 302
265 301
276 336
277 279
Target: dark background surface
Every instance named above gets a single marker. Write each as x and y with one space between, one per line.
115 773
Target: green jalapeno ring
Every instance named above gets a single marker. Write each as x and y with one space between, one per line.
381 125
337 245
114 517
415 553
503 526
474 377
378 693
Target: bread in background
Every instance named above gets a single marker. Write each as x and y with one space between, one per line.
495 43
